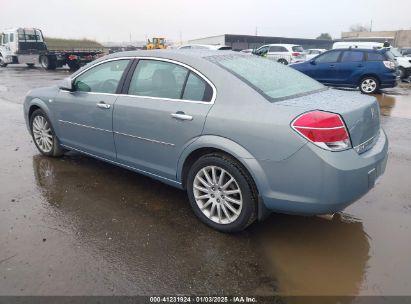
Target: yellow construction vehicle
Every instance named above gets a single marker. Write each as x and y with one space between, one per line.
156 43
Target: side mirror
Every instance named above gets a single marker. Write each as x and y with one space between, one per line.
312 62
66 84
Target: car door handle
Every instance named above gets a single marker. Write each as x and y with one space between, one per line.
181 116
103 105
332 65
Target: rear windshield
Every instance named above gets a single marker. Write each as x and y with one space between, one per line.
297 49
273 80
225 48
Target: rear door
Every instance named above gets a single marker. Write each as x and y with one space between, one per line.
325 67
85 114
163 108
351 67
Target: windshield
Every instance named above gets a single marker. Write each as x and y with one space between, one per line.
395 52
273 80
30 35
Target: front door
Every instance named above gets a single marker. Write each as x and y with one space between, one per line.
164 110
85 114
325 67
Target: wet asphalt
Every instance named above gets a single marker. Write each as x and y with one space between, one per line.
78 226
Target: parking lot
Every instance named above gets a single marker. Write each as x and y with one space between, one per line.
78 226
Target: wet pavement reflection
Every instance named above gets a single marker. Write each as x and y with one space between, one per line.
79 226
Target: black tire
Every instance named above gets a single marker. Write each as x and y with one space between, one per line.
249 195
74 65
372 87
282 61
402 73
30 65
48 62
56 150
2 63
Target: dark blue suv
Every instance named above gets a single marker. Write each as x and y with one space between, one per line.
368 69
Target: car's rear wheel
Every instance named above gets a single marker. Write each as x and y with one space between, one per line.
48 62
43 134
282 61
2 63
221 193
402 73
369 85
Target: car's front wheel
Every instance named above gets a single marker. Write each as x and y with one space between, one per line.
221 193
43 135
282 61
369 85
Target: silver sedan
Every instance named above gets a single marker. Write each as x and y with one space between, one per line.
244 135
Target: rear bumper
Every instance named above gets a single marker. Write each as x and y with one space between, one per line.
315 181
389 80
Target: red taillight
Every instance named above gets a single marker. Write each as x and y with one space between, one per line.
326 130
295 54
72 57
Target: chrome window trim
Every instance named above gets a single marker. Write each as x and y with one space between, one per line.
122 165
213 87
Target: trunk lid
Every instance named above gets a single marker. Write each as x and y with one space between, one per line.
361 113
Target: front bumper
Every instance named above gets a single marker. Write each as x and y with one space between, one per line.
315 181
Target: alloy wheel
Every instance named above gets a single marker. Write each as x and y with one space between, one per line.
217 194
42 133
368 85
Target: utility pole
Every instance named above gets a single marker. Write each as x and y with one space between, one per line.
256 31
371 26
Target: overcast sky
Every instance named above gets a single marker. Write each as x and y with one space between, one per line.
115 20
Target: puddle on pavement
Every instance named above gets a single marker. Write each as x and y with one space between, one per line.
395 105
286 254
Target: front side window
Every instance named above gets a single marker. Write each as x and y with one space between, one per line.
329 57
103 78
11 37
155 78
5 38
273 80
352 56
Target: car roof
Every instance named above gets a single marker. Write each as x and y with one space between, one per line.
208 46
192 57
357 49
281 44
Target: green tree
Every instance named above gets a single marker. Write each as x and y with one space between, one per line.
324 36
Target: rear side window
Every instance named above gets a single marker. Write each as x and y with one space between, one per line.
352 56
197 89
375 57
275 48
155 78
271 79
328 57
297 49
158 79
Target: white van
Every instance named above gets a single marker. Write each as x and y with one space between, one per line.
359 44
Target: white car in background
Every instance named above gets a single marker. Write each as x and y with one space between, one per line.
283 53
218 47
311 53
